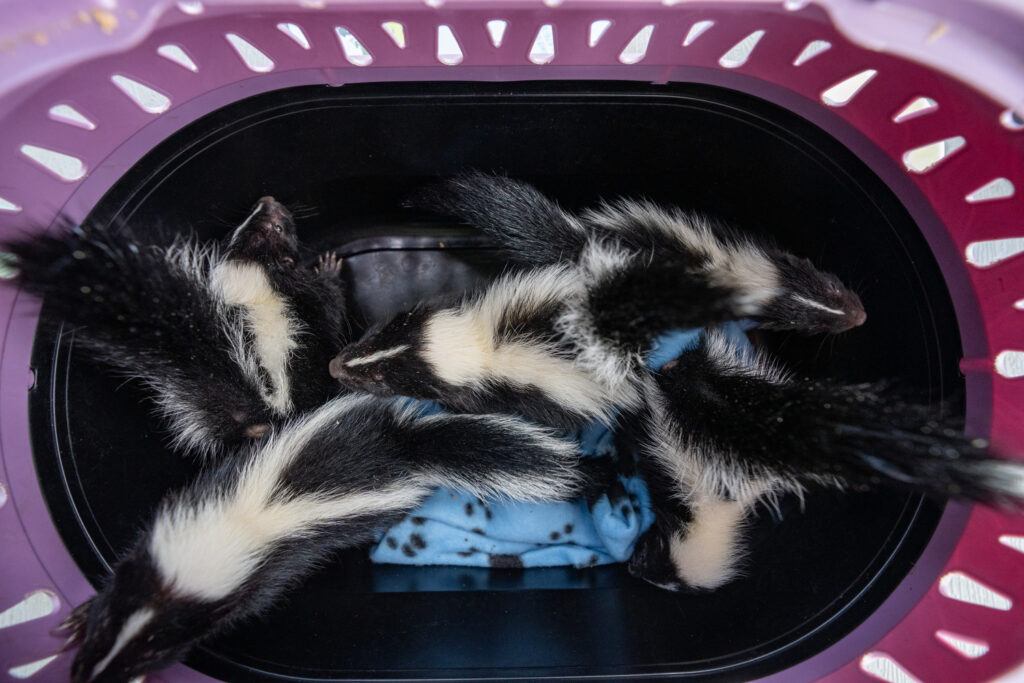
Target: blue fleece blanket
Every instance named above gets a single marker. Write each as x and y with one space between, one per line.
453 528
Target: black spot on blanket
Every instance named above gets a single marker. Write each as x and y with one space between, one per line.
505 561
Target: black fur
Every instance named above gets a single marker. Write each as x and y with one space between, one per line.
145 313
812 431
366 446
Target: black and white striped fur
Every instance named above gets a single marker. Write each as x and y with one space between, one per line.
564 341
728 429
218 333
231 544
650 267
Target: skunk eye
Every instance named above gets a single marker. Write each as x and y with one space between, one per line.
278 228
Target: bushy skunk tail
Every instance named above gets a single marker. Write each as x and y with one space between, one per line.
752 425
533 229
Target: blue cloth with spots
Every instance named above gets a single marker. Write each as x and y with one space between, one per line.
454 528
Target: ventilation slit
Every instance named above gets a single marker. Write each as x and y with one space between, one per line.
7 206
64 166
845 90
812 50
65 113
35 605
926 157
192 7
696 31
987 253
919 106
295 32
1011 120
396 32
1009 364
1010 541
448 49
960 586
31 669
543 49
496 30
998 188
354 51
885 668
146 98
636 49
597 29
968 647
739 53
177 55
253 58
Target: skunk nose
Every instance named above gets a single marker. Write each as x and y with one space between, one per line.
337 368
858 318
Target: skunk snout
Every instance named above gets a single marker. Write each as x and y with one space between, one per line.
337 368
272 214
854 314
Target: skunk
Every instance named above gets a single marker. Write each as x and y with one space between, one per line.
228 338
564 342
648 267
251 527
726 428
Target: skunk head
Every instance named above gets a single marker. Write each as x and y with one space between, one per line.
388 360
268 235
810 300
133 626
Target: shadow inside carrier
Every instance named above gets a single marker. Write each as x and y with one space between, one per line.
354 153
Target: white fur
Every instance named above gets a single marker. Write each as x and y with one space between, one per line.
814 304
275 330
462 346
378 356
208 547
738 264
706 554
133 625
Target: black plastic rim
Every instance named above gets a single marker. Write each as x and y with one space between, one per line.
354 153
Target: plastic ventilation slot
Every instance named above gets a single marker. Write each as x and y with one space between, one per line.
30 669
64 166
597 29
739 53
65 113
885 668
926 157
147 99
295 32
919 106
1010 541
36 605
1010 364
1011 120
433 3
999 188
396 32
696 31
812 50
496 31
354 51
543 49
845 90
794 5
962 645
448 49
963 588
3 489
177 55
552 3
990 252
312 4
253 58
192 7
636 48
1019 305
7 206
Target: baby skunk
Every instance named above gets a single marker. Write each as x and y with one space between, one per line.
564 342
229 546
726 429
228 338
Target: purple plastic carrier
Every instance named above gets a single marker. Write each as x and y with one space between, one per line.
930 94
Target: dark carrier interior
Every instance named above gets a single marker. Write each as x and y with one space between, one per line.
354 153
